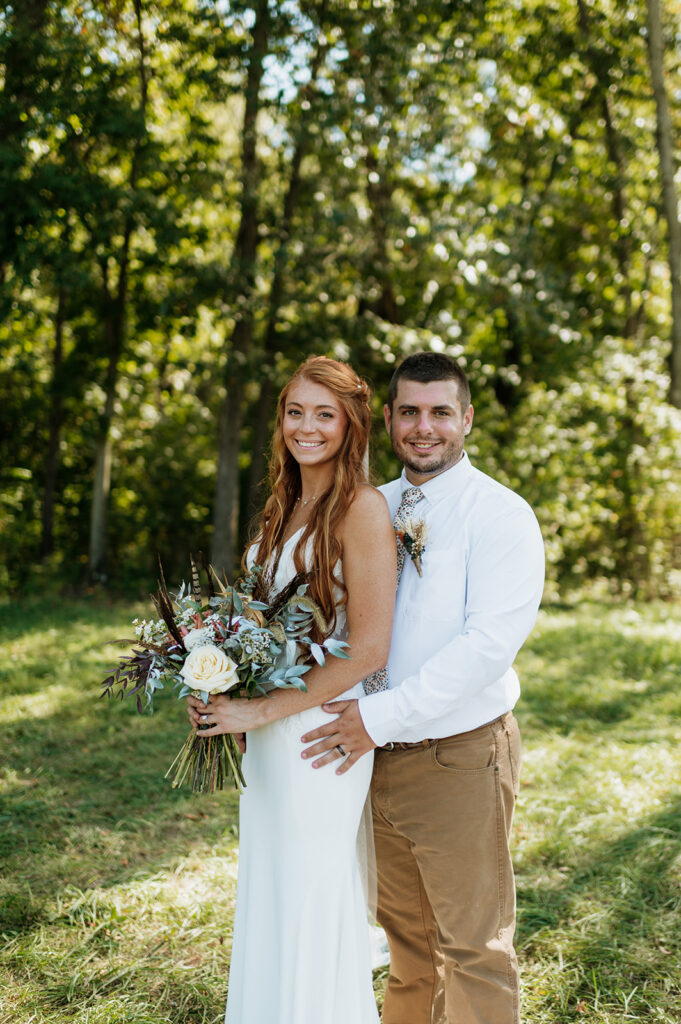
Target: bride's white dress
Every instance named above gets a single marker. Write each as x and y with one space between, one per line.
301 947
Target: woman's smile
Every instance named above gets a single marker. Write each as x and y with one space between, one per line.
315 425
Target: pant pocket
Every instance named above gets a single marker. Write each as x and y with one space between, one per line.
469 753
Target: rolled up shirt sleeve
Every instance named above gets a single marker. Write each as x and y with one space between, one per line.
473 671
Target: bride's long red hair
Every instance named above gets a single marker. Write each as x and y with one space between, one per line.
353 395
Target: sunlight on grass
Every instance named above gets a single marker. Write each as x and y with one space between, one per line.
598 826
117 892
36 705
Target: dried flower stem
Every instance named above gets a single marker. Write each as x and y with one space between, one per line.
202 761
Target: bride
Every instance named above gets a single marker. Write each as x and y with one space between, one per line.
300 952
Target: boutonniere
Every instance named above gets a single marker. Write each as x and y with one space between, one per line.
412 533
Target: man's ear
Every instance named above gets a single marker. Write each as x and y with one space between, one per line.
468 419
387 416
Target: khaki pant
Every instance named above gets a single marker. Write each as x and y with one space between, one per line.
446 894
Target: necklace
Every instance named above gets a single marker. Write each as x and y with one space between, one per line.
306 501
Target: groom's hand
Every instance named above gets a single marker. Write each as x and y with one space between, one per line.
346 731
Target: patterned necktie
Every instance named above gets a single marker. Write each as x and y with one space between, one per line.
410 499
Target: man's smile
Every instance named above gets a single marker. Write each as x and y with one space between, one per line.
424 446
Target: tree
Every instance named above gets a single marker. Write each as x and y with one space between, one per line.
21 55
198 195
242 285
670 202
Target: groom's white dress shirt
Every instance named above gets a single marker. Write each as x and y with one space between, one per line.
459 626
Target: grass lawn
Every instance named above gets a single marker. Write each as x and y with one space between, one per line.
117 892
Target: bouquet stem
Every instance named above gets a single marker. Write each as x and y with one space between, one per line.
206 762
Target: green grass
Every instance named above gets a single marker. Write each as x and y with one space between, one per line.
117 892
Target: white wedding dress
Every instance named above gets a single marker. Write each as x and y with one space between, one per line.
301 949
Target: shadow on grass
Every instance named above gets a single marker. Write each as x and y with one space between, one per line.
86 789
595 678
44 645
35 616
616 915
37 674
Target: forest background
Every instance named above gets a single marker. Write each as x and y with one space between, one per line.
196 195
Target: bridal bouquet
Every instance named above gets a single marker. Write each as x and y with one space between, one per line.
241 640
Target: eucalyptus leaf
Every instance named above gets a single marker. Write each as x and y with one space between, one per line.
297 670
317 654
336 647
291 651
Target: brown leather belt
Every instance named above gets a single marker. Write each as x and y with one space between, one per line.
429 743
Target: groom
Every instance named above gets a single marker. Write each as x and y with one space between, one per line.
447 744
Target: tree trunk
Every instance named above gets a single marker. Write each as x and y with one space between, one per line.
261 428
230 417
378 189
669 198
264 406
622 242
114 304
114 332
632 562
99 511
54 437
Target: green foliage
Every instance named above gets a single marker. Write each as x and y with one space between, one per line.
598 457
473 178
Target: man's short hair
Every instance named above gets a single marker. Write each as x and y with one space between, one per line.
424 367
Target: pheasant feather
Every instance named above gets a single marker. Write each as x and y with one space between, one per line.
195 580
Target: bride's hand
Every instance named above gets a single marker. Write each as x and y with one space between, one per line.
223 714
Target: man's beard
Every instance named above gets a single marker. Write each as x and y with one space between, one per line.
449 455
430 468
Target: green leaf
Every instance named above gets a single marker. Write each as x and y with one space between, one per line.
336 647
317 653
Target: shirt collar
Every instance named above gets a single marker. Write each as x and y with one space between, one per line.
443 484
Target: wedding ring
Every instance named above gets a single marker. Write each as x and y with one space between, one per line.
340 750
204 718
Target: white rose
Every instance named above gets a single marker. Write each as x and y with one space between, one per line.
197 637
209 670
